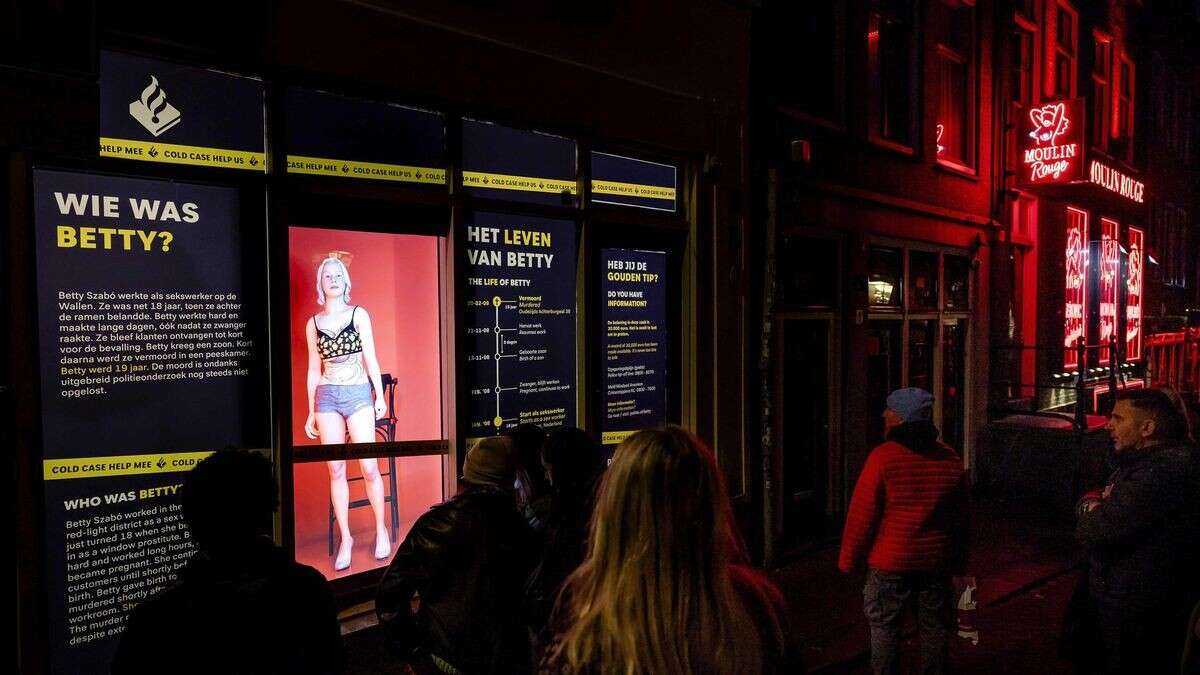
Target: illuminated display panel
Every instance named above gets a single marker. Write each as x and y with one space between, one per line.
1133 295
1051 146
1075 297
1110 273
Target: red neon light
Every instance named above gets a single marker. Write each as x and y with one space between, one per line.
1110 179
1133 296
1110 271
1051 149
1049 122
1075 300
941 129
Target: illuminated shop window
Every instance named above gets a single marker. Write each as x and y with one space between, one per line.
1075 298
1133 294
1109 275
885 278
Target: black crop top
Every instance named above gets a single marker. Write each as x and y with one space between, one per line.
346 342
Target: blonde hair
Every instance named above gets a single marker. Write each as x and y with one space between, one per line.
345 277
655 594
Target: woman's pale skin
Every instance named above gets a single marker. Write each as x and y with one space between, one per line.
331 427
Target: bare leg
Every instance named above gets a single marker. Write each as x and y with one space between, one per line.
362 430
333 430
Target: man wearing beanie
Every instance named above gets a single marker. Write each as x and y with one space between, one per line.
450 600
907 524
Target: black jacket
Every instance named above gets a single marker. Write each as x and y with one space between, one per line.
1143 539
467 559
259 612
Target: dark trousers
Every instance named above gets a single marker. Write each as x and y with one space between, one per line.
1141 641
885 597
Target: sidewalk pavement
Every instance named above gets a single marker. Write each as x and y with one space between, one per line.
1025 569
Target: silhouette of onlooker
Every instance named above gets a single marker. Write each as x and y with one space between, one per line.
574 463
451 599
1142 534
533 489
241 604
908 523
664 589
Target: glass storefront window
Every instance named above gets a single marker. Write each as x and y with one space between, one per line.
885 277
922 280
884 363
922 343
958 282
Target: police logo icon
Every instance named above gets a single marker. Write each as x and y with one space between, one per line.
152 110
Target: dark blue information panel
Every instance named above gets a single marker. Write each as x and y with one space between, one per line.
157 111
626 181
329 135
518 345
500 162
152 355
634 315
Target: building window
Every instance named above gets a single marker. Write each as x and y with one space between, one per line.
810 67
1123 111
954 80
1101 91
1110 273
1023 60
1075 300
922 281
891 64
884 278
1062 38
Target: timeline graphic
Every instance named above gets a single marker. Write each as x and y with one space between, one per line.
518 341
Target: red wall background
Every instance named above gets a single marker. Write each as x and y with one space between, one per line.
395 278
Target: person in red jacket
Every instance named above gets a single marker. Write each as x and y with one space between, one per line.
908 526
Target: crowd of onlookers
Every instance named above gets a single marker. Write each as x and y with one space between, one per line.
555 558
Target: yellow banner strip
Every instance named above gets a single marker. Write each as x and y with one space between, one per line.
500 181
609 187
153 151
615 437
122 465
323 166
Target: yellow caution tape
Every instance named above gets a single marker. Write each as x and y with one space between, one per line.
322 166
122 465
609 187
500 181
168 153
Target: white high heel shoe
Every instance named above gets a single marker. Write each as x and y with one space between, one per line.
383 546
345 553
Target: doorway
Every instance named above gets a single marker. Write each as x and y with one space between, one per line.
804 428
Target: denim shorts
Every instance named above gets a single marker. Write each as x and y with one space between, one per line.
345 399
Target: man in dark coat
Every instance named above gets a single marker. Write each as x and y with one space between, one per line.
242 604
1142 533
451 600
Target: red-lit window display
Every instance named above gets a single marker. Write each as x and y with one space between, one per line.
1133 296
1110 273
1052 145
1075 299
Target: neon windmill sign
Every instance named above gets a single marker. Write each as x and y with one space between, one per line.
1051 147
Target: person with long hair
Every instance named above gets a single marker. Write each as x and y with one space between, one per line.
342 372
665 588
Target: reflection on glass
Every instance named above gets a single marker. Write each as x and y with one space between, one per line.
958 282
923 280
885 268
954 353
921 345
883 373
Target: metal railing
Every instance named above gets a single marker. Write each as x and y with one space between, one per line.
1173 360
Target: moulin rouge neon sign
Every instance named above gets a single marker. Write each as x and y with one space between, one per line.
1051 148
1110 179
